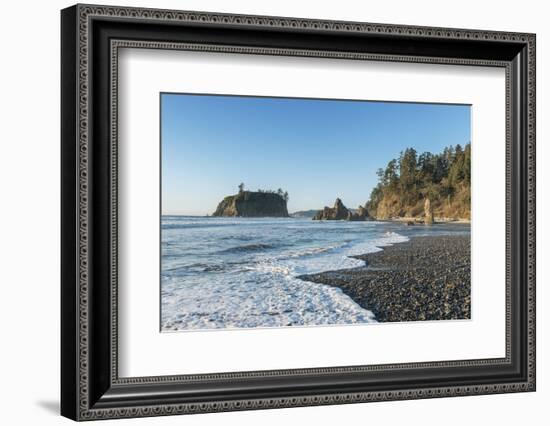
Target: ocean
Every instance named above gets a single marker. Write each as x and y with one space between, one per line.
220 272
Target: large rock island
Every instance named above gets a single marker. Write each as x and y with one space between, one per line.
253 204
341 212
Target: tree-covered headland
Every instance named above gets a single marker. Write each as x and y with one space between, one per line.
407 181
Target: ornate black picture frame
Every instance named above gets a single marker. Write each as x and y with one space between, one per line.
91 36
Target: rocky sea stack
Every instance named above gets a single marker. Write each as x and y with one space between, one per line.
341 212
253 204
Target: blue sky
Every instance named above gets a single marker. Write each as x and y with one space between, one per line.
316 150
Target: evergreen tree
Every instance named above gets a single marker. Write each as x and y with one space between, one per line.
407 174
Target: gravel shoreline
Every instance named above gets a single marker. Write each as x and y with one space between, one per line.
426 278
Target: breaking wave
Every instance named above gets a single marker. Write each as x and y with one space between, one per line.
211 280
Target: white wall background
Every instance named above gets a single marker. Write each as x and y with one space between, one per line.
29 212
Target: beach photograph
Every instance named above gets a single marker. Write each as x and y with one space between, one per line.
294 212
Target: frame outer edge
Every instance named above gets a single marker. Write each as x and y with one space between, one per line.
69 221
531 213
83 13
83 84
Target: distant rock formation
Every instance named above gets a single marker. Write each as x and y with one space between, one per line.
341 212
360 215
252 204
304 214
428 212
338 212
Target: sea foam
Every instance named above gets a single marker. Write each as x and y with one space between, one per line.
205 286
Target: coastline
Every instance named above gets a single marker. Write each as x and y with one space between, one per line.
425 278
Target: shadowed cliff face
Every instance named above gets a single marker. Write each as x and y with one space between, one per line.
252 204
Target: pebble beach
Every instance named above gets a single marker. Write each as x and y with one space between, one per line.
425 278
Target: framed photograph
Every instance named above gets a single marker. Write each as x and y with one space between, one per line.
263 212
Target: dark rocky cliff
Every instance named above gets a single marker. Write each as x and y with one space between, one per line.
341 212
252 204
